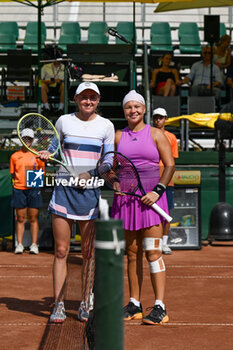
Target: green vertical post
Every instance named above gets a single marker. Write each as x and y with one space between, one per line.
39 56
134 84
109 285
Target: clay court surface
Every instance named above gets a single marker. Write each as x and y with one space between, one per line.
199 301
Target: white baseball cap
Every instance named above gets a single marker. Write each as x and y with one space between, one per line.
133 96
160 111
27 132
87 86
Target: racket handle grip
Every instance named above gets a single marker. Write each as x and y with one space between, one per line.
162 212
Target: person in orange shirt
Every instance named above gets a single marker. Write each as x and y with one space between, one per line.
159 118
25 200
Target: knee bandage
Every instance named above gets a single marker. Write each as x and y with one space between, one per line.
157 265
151 243
154 244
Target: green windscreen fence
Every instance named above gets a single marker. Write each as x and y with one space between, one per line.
6 212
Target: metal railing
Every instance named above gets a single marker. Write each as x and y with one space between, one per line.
146 85
86 12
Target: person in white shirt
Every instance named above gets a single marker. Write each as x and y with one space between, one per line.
85 136
199 76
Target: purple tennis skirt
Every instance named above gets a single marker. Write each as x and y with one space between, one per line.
134 213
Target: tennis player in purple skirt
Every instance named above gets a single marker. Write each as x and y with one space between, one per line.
145 146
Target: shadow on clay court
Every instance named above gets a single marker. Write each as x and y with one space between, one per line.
38 307
76 260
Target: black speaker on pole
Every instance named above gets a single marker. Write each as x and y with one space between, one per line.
211 28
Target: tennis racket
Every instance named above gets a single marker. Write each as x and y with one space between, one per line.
46 137
115 167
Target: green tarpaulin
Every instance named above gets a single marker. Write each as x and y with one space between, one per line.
6 227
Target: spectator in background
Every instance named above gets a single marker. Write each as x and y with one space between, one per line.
52 76
200 77
159 118
26 201
165 79
222 55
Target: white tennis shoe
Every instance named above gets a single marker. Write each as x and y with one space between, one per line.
34 249
166 250
83 312
19 249
59 314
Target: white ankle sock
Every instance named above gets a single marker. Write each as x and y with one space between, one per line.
61 105
165 238
135 302
46 105
159 302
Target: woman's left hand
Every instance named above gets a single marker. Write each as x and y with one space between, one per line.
150 198
44 155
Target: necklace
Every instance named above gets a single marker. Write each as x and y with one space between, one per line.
56 71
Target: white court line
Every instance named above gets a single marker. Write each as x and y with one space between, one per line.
201 266
22 324
168 266
195 324
29 266
145 264
20 276
199 324
192 277
200 277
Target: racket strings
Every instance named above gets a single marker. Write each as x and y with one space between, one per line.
43 132
116 168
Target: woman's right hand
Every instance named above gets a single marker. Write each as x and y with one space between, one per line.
44 155
117 188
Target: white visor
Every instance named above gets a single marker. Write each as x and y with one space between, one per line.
160 111
87 86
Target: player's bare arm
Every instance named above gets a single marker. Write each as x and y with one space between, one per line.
117 137
165 151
